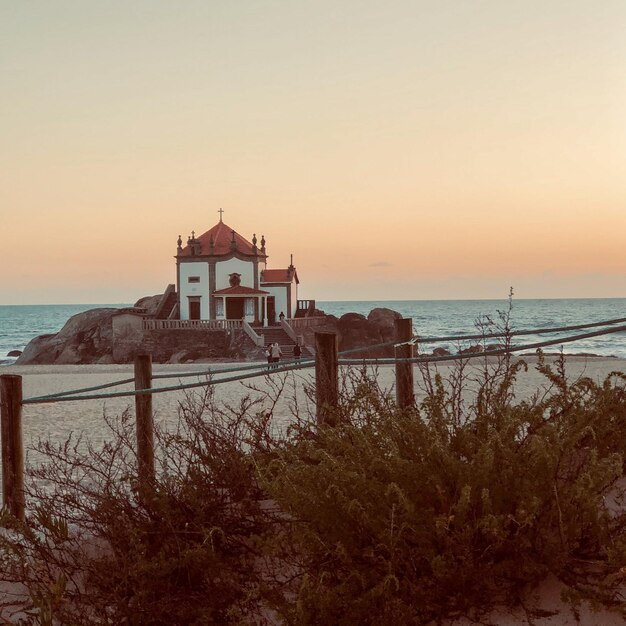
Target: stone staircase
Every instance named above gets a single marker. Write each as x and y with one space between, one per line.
167 304
272 334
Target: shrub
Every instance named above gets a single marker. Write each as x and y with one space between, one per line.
391 517
101 549
414 516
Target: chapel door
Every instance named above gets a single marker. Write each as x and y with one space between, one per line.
194 309
271 310
234 308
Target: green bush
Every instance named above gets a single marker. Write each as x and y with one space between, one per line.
101 549
391 517
414 516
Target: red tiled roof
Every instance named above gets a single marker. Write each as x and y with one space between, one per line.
240 291
222 237
278 276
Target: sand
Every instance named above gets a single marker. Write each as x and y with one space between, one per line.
56 421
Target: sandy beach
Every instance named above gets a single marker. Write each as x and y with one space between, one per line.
56 421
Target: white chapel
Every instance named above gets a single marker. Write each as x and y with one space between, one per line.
220 275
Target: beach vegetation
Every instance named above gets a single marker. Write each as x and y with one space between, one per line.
392 516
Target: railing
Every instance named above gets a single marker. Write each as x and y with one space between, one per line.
291 332
305 305
306 322
259 340
151 324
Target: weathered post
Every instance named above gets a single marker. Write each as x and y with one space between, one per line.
12 448
326 378
405 396
145 424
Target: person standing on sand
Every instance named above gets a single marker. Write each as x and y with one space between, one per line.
276 353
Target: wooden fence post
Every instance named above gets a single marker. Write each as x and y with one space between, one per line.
405 395
12 448
145 424
326 378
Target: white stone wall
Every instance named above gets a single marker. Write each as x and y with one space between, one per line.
280 295
224 268
294 298
200 289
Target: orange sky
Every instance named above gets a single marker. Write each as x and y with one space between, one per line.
399 149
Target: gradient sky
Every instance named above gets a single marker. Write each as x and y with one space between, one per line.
399 149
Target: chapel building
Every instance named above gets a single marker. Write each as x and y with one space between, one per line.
220 275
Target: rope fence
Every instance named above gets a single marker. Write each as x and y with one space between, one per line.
327 361
262 370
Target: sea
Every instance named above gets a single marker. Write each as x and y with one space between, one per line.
21 323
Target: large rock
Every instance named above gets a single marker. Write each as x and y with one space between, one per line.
85 338
149 303
107 336
356 331
385 321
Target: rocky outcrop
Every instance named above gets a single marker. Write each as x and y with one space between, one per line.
14 353
117 336
385 321
105 336
149 303
354 331
85 338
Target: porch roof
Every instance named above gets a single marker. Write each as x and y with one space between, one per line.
240 291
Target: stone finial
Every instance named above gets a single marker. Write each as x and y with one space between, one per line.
233 243
291 267
179 243
263 244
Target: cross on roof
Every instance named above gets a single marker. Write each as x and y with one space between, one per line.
221 212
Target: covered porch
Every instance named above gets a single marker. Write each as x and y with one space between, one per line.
241 303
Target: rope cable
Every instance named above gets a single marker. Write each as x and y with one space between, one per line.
497 352
151 390
302 364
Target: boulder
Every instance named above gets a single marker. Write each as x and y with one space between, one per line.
475 349
15 353
149 303
85 338
385 320
178 357
441 352
356 331
39 350
494 346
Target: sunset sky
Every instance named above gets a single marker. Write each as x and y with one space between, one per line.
399 149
